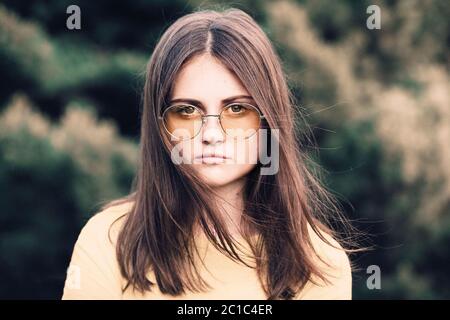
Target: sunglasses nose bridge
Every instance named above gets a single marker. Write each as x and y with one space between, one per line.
212 132
204 117
211 115
219 123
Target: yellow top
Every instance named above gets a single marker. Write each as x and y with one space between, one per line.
94 272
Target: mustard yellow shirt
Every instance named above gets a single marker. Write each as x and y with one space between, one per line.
94 272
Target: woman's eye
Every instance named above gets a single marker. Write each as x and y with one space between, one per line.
236 108
186 110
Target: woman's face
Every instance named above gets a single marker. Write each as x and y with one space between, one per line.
219 159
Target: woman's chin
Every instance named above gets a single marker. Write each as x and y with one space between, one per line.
216 175
219 175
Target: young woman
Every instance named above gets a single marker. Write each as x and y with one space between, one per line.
211 215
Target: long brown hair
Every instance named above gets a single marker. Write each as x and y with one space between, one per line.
170 200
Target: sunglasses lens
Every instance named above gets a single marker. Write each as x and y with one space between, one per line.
183 121
240 120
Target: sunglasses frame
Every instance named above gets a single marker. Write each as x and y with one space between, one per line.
204 116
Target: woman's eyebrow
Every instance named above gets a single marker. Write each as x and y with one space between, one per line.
224 101
186 100
233 98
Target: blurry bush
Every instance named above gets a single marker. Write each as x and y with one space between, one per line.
53 177
56 71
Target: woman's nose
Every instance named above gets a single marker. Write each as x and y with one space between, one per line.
212 132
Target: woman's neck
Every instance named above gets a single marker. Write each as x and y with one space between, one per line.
231 202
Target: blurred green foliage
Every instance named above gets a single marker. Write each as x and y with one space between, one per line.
377 102
53 176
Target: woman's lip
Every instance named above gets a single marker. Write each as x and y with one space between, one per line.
212 160
215 157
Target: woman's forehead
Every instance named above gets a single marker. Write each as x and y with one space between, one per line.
206 80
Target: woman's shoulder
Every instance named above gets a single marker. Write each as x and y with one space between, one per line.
328 248
93 272
106 223
334 263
